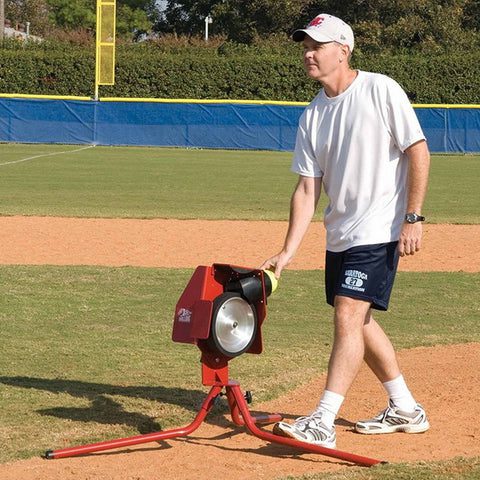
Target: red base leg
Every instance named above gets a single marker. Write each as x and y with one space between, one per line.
251 426
138 439
240 416
236 414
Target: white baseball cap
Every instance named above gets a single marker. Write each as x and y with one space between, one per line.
326 28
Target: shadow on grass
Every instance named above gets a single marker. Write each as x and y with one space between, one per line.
105 410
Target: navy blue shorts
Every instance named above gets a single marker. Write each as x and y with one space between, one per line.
366 272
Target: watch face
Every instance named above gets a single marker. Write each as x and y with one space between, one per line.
413 218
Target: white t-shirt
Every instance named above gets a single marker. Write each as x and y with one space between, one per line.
355 142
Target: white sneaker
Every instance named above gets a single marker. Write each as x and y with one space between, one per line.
392 419
308 429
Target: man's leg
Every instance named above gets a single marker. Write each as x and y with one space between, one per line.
345 361
348 344
379 352
380 356
403 412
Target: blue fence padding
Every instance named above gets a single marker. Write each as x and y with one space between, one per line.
451 130
46 121
239 126
207 125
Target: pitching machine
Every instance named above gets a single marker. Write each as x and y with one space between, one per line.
221 310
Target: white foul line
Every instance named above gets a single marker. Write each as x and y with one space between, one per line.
46 155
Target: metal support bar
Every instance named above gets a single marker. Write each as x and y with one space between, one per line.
270 437
138 439
240 416
237 417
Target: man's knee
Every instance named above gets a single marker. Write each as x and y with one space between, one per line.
350 313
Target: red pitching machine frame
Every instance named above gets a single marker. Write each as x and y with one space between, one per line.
193 324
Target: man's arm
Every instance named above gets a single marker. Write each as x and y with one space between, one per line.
418 168
302 207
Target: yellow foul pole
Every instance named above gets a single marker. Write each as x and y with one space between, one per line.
105 44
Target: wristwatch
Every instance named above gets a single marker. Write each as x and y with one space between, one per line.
412 217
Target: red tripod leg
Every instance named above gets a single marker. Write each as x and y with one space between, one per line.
138 439
270 437
235 412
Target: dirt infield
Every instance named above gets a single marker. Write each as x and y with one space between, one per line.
188 243
441 377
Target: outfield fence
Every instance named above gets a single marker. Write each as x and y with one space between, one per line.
255 125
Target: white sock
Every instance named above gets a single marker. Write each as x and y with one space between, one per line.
400 394
329 405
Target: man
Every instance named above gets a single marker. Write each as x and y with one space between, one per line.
361 140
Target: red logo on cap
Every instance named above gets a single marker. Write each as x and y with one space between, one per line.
316 21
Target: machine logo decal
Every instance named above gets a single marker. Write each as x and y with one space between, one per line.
184 315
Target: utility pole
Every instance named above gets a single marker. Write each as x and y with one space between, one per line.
2 19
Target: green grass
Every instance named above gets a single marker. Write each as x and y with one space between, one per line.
87 352
142 182
466 469
145 183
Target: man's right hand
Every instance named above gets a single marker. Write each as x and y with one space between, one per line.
277 263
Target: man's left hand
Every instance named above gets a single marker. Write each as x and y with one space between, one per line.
410 238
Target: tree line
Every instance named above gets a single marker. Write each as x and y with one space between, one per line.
75 19
380 25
